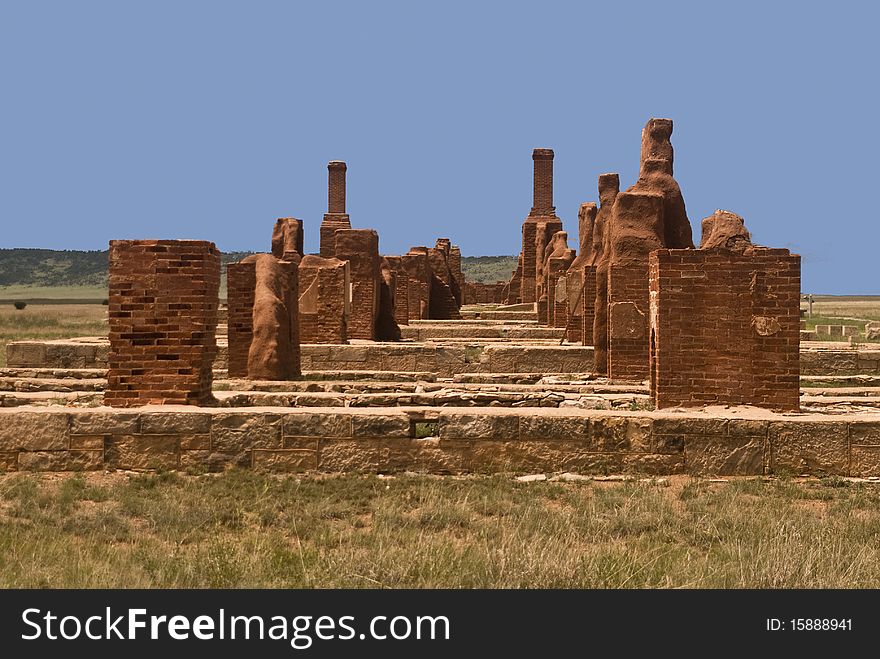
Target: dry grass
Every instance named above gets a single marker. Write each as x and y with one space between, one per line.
242 529
865 307
50 321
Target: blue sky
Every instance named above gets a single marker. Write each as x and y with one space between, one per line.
210 119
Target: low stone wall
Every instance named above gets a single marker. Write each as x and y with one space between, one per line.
336 440
445 359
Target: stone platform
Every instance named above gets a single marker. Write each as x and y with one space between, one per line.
739 441
443 357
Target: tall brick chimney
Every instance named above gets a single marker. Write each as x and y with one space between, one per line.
542 204
336 187
335 217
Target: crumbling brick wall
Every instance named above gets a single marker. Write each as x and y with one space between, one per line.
628 310
415 264
401 289
442 301
241 282
360 247
725 328
479 293
323 301
163 300
263 311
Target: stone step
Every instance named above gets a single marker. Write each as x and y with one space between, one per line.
500 315
473 322
505 332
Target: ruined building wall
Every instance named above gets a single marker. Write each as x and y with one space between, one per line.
287 238
263 312
442 302
241 283
636 231
401 289
360 247
335 217
538 228
323 301
387 328
609 188
576 296
650 215
415 264
163 299
725 328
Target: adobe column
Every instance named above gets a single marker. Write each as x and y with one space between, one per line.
335 217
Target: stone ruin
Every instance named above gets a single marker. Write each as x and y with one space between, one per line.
353 360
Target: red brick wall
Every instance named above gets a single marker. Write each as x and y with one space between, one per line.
360 247
480 293
401 291
588 305
419 285
725 328
241 282
542 180
163 317
527 278
442 303
323 287
628 331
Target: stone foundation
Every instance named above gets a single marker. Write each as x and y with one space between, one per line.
728 442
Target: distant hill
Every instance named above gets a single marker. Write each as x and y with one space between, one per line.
48 267
488 269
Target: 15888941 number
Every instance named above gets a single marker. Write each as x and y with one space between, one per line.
821 624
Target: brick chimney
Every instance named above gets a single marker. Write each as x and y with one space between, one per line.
542 204
335 217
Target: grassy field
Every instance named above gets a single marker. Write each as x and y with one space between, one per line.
60 293
50 321
242 529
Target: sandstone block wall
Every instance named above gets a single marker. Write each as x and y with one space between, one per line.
461 441
163 303
725 328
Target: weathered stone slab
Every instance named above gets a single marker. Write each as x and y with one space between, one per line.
8 461
721 455
815 448
554 427
317 424
478 426
92 442
622 434
105 423
175 422
865 461
34 431
142 452
285 460
60 460
379 426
